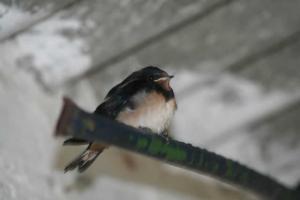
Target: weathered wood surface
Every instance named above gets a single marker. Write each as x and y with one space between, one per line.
222 40
17 15
96 31
226 36
279 71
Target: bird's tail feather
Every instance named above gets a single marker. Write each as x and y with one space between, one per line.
83 161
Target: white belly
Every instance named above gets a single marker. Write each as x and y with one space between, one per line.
152 111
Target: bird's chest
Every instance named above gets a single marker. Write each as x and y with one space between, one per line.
150 110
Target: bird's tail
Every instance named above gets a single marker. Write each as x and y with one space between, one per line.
84 160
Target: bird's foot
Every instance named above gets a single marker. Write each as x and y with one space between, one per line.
166 137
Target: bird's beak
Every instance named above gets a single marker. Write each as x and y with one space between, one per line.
165 78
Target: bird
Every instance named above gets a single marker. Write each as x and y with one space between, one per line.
144 100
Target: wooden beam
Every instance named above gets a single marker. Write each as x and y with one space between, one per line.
276 71
223 38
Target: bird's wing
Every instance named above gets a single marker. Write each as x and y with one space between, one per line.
116 89
119 97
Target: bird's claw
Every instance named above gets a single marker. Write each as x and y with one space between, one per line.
163 134
166 137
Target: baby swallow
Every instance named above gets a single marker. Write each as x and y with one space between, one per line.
144 100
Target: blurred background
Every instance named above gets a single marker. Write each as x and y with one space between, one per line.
237 82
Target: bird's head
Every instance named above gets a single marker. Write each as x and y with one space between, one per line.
156 75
